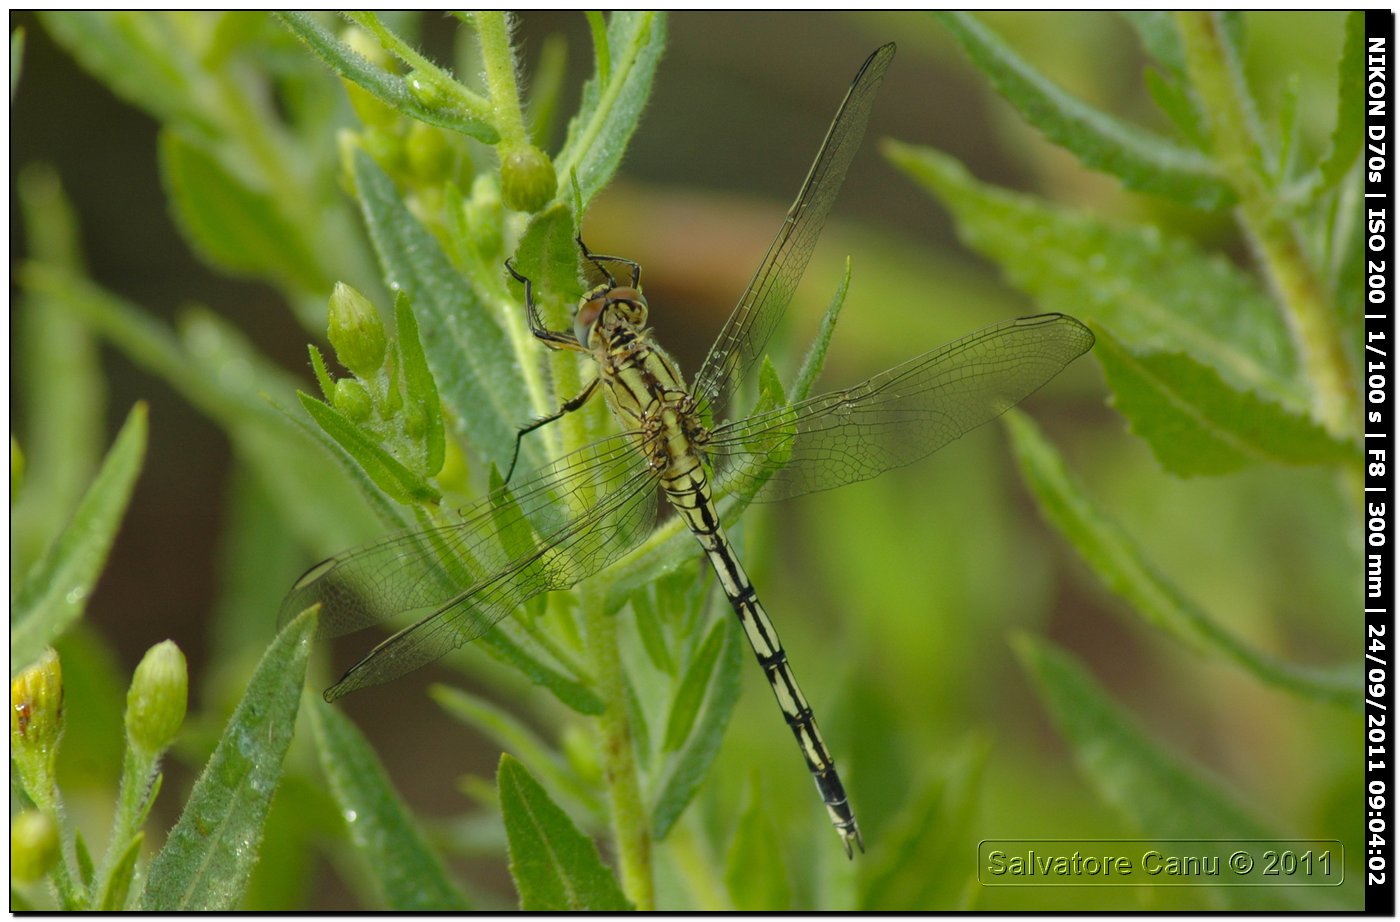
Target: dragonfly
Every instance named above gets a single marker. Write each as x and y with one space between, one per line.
568 520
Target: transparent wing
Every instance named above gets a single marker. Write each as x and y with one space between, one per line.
898 416
748 328
568 520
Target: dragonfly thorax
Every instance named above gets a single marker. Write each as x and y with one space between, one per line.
609 307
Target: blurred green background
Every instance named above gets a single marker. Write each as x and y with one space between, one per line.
896 598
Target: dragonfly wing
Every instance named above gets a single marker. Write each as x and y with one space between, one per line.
748 328
898 416
544 533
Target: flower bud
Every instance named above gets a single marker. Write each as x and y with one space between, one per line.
33 846
429 155
155 704
527 179
36 723
352 398
356 331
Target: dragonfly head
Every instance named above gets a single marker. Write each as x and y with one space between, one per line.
609 307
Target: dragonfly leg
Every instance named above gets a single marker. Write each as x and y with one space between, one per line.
569 406
598 259
551 338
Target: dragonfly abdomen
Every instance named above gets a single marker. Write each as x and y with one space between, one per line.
690 496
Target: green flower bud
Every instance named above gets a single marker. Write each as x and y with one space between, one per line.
33 846
426 89
36 723
527 179
429 155
352 399
155 704
356 331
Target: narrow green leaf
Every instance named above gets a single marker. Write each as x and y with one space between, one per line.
404 869
555 867
694 686
135 54
322 509
512 735
58 376
422 389
1156 30
1175 99
1157 793
467 351
388 88
1141 160
1152 290
323 375
754 871
1196 423
546 89
16 57
1125 570
931 828
54 593
383 468
569 691
118 886
648 620
612 102
690 766
232 226
1348 134
212 848
86 871
812 362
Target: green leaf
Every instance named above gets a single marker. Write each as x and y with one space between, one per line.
569 691
404 869
58 377
754 872
54 593
1157 31
1157 793
232 226
555 867
323 510
1152 290
1347 136
1122 567
469 355
118 885
690 694
512 735
422 389
613 101
1141 160
212 848
689 767
16 57
138 56
383 468
811 367
1196 423
931 828
390 89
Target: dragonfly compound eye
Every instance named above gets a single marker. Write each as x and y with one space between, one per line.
587 318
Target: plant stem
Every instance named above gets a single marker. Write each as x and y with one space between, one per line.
493 31
137 772
1220 86
630 821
